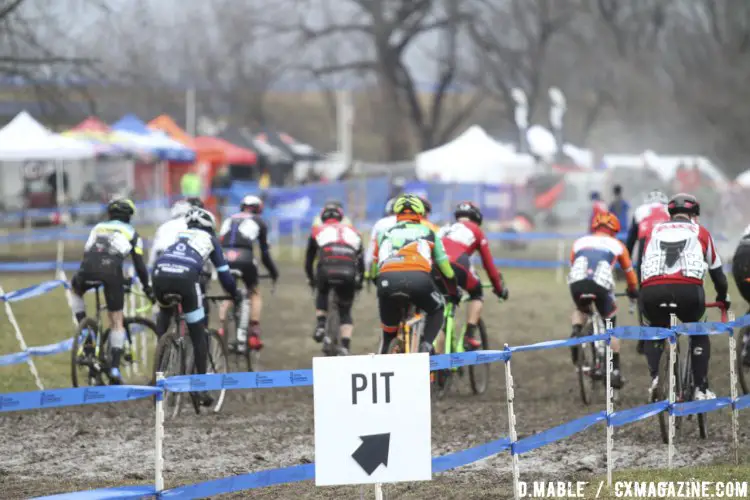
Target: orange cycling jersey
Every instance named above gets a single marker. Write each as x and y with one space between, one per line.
411 246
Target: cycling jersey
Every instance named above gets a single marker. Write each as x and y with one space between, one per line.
238 233
109 244
645 218
165 235
188 255
379 228
678 252
463 238
340 249
593 257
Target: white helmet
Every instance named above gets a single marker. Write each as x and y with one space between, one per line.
253 202
657 196
180 209
200 218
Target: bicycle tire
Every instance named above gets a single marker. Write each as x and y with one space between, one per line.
479 372
662 391
170 358
133 326
218 362
395 346
584 366
238 362
743 371
87 323
333 326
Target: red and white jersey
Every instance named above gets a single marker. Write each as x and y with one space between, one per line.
336 234
647 216
464 238
678 252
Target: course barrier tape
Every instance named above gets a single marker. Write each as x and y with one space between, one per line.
630 415
557 433
55 398
742 402
33 291
117 492
694 407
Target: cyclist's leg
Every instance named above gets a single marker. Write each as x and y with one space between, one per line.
691 305
650 299
390 308
114 296
250 277
439 281
192 307
205 282
78 287
162 286
345 294
321 306
469 281
607 307
580 311
425 295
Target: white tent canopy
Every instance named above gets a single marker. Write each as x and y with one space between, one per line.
743 179
26 139
665 166
474 157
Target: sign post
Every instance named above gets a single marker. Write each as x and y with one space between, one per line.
372 419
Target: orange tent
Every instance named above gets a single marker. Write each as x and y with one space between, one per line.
233 155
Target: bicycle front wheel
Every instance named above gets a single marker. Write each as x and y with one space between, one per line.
238 362
479 375
171 359
83 362
217 363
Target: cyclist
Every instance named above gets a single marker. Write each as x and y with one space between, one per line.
108 245
341 267
178 270
741 272
237 235
591 280
382 225
461 239
166 234
404 256
675 261
331 203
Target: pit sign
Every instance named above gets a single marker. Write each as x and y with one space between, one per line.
373 421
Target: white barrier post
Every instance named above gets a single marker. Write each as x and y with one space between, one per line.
672 384
512 425
62 276
733 390
22 342
159 438
378 491
610 406
560 260
60 255
130 311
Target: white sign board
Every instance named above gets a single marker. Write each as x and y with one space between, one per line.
373 422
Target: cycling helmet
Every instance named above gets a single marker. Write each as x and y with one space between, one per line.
409 203
332 202
389 206
331 212
684 203
254 203
427 205
200 218
656 196
606 221
470 211
180 209
595 196
121 209
195 202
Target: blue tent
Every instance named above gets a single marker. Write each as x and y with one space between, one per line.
131 129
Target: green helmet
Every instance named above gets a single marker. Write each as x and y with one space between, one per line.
121 209
409 203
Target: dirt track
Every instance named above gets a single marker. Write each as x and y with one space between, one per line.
85 447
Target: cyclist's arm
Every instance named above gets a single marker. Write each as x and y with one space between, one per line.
222 268
632 236
371 246
444 264
714 265
489 265
265 252
312 251
627 266
373 267
136 253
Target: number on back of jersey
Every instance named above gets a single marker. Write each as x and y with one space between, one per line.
674 248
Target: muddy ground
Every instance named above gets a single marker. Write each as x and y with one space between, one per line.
72 449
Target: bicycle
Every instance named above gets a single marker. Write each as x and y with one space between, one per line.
684 385
478 374
410 330
174 356
248 360
591 359
91 352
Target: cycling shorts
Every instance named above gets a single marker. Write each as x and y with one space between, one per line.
588 292
344 291
689 298
398 289
242 259
467 278
741 270
188 289
113 283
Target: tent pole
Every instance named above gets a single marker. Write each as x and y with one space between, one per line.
190 111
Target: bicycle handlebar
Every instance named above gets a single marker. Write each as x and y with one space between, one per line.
720 307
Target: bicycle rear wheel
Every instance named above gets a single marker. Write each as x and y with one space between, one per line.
83 363
333 327
171 359
742 343
479 375
585 366
238 362
217 363
141 334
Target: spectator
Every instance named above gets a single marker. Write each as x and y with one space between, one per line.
220 185
190 185
597 207
620 208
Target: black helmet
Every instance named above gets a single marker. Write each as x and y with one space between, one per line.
195 202
332 202
121 209
470 211
683 203
427 205
331 212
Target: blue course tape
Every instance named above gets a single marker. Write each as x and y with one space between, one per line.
640 333
743 402
470 455
260 479
693 407
630 415
33 291
55 398
704 328
14 359
455 360
36 267
557 433
742 321
251 380
44 350
119 492
552 344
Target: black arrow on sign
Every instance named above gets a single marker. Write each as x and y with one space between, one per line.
372 452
